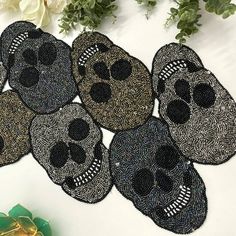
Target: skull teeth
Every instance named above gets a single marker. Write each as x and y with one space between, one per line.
181 202
89 174
89 52
16 42
171 68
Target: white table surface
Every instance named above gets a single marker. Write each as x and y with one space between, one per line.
27 183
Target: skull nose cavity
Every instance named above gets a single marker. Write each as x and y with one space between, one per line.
100 92
187 179
182 89
143 182
178 111
29 77
121 69
59 155
30 57
101 70
78 129
164 182
77 153
167 157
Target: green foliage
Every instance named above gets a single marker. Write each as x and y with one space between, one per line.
186 15
88 13
220 7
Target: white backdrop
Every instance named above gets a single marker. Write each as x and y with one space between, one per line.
27 183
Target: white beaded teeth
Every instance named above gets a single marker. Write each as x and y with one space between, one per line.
17 41
181 202
89 174
171 68
89 52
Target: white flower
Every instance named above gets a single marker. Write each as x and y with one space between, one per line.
38 11
9 4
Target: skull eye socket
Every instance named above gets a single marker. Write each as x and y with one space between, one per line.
47 54
164 181
100 92
59 155
121 69
29 77
101 70
167 157
77 153
204 95
143 182
78 129
30 57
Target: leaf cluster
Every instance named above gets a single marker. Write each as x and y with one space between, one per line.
186 15
88 13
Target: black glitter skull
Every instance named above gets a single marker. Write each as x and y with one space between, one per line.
39 67
198 109
69 146
149 170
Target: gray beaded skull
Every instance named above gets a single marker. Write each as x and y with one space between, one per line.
69 146
149 170
200 112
